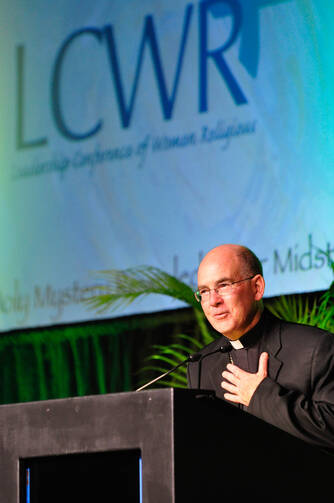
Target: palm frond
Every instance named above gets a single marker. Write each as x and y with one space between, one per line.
293 308
162 358
150 368
179 351
170 356
194 344
202 323
122 287
298 309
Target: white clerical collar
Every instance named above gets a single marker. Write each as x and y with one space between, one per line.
237 344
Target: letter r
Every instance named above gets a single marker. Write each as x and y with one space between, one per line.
217 54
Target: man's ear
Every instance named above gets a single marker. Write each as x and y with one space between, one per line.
259 286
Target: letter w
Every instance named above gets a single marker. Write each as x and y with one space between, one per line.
149 37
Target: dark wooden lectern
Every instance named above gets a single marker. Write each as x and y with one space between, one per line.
192 448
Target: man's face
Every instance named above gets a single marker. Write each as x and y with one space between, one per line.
234 313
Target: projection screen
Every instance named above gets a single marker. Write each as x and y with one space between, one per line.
146 132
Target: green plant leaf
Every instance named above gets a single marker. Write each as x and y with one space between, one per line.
121 288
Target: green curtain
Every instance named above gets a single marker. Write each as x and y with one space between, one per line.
83 359
62 362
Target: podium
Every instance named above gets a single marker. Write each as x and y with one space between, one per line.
155 446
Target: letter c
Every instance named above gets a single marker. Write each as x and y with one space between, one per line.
55 87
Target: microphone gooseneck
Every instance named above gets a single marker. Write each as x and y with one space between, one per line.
191 358
222 349
195 357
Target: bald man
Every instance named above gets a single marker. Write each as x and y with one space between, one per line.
278 371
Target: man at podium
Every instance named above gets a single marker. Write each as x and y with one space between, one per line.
278 371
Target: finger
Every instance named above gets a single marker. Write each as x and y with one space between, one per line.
231 398
230 377
229 387
237 371
263 364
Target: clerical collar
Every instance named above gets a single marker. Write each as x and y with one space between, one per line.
250 338
237 344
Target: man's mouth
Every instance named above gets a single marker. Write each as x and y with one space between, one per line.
220 316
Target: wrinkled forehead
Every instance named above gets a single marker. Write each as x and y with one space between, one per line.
218 267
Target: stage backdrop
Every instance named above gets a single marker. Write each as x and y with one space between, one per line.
148 131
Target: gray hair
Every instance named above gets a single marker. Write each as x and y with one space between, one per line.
252 265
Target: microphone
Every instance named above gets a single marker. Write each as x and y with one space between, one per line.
195 357
226 348
222 349
191 358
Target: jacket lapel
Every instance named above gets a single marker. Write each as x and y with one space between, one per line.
271 343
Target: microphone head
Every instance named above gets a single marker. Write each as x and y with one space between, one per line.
226 348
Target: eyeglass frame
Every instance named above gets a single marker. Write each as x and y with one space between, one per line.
198 295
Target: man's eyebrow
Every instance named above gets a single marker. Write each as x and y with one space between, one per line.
221 280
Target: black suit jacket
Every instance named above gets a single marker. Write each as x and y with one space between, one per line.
298 394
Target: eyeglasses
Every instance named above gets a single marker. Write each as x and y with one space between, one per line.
203 295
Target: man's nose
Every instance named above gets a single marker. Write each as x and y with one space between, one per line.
214 298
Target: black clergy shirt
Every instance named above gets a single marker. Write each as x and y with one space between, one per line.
246 350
